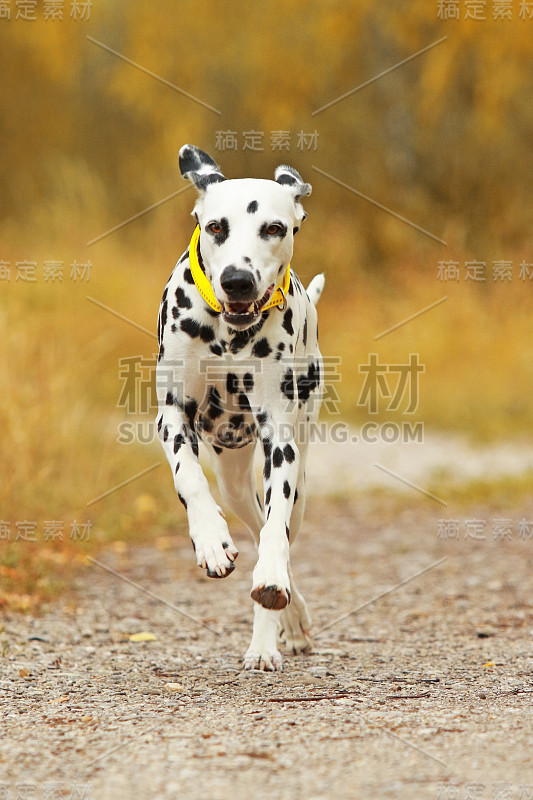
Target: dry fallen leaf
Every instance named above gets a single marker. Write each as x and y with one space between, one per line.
143 636
23 673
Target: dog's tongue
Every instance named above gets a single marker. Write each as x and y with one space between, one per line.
238 308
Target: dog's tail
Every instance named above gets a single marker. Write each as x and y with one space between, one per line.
314 290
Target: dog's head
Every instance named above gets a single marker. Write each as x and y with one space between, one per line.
247 228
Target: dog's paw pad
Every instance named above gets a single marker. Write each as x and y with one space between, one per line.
217 557
212 574
265 661
271 597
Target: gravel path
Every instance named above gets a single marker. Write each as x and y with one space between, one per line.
424 693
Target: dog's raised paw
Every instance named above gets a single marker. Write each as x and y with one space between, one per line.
216 557
271 597
212 574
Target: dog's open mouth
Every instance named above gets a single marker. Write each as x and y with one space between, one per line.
245 312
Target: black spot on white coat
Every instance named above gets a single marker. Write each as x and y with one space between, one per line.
214 402
308 382
193 328
232 383
288 453
179 439
243 402
277 457
287 385
261 348
262 418
236 421
181 298
287 321
190 408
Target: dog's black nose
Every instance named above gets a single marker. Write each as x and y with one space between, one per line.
239 284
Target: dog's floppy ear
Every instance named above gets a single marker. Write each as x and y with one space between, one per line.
199 168
292 179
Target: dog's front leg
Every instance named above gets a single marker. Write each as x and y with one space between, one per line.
209 533
271 584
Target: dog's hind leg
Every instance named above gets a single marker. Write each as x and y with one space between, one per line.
236 480
296 622
295 619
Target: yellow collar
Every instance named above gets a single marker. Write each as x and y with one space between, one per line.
279 296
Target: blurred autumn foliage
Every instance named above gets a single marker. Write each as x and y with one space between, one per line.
90 140
444 140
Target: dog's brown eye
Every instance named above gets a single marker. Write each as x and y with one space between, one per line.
273 229
214 227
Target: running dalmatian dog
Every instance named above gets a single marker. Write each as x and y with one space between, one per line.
239 363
